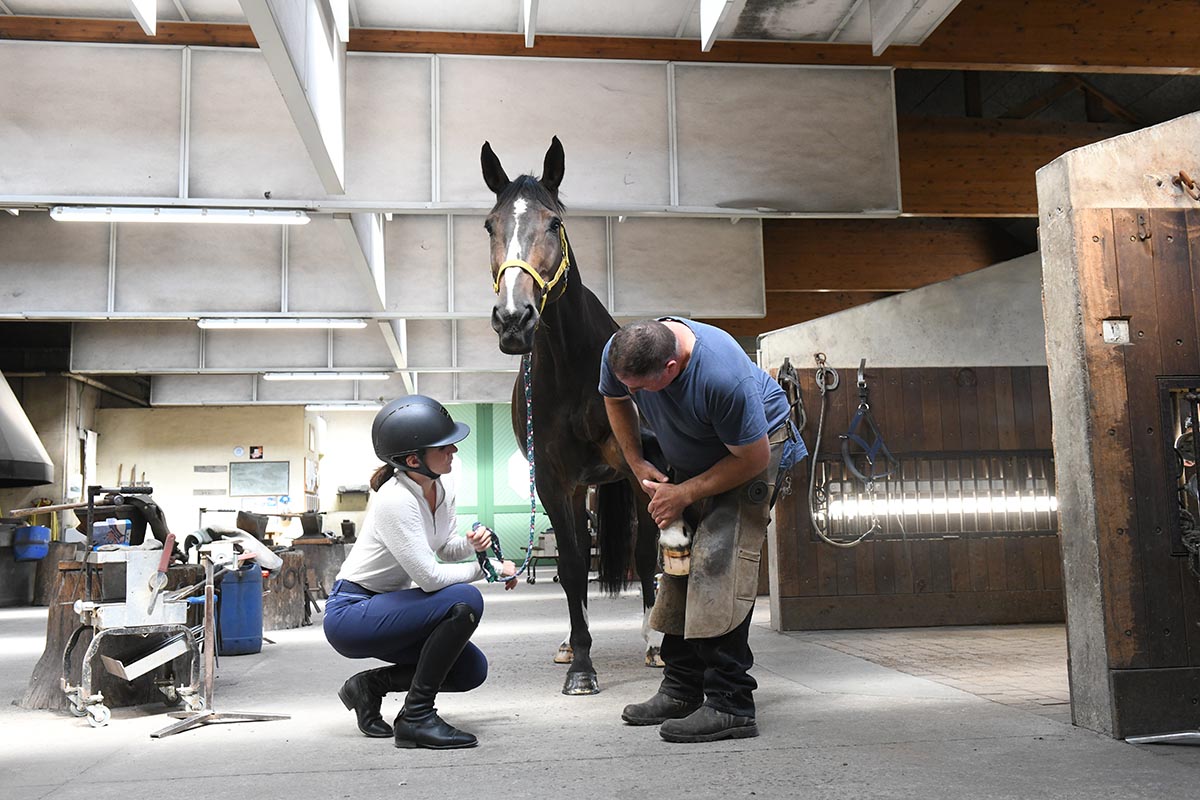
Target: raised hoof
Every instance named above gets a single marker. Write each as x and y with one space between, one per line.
581 683
565 654
654 658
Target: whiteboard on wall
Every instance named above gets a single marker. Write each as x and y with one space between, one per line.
258 478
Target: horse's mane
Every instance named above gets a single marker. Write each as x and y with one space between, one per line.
528 185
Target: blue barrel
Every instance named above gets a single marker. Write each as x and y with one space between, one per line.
239 612
31 543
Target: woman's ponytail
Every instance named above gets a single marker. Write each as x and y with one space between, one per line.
382 476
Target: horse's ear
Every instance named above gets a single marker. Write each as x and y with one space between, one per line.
552 167
493 174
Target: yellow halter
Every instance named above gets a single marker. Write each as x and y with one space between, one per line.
544 285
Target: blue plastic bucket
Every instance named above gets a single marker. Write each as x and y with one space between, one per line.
239 614
31 543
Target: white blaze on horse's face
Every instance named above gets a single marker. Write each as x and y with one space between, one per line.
513 254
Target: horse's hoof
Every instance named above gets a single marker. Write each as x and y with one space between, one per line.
565 654
654 658
581 683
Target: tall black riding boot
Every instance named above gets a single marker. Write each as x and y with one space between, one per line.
418 724
363 693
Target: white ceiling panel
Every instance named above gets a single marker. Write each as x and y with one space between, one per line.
611 117
472 267
483 387
417 278
91 9
925 21
659 18
698 267
589 240
435 384
389 152
771 19
305 391
262 152
828 144
47 90
208 268
144 346
460 15
361 349
429 343
229 11
201 390
478 347
52 266
321 275
266 349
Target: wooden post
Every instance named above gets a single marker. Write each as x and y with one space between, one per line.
1114 234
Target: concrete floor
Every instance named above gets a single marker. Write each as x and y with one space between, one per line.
834 725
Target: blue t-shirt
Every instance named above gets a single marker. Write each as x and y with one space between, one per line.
721 398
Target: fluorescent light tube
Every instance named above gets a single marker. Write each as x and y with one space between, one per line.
326 376
244 216
343 407
276 323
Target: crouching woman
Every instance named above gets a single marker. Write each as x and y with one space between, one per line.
394 600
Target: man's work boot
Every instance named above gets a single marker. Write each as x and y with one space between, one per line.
363 694
418 724
707 724
658 709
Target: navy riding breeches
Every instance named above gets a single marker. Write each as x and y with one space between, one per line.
393 626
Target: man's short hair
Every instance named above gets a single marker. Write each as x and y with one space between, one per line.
641 349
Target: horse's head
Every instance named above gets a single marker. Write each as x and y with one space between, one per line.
528 247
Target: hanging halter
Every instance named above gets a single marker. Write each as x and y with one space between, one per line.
876 468
559 275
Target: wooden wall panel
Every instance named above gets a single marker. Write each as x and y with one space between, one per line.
964 166
879 255
1119 551
934 574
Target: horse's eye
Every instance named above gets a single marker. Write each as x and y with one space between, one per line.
488 227
555 224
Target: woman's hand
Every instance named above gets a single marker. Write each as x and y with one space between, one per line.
480 538
509 570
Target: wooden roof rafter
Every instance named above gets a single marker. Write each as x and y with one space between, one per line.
1103 36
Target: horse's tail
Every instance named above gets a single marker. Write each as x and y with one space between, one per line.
616 521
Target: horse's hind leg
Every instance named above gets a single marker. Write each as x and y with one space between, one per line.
569 519
646 561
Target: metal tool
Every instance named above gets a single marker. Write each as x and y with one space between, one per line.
204 713
159 581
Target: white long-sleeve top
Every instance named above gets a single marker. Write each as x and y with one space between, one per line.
401 537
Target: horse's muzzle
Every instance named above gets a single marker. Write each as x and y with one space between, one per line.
515 329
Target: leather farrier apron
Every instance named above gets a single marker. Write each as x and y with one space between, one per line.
726 549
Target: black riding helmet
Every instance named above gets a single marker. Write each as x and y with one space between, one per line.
412 424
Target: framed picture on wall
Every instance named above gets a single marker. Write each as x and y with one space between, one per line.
256 478
312 475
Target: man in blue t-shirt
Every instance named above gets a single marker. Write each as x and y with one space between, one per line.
723 426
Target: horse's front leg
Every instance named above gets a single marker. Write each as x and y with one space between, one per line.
645 556
574 555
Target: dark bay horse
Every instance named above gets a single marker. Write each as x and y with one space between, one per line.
544 310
